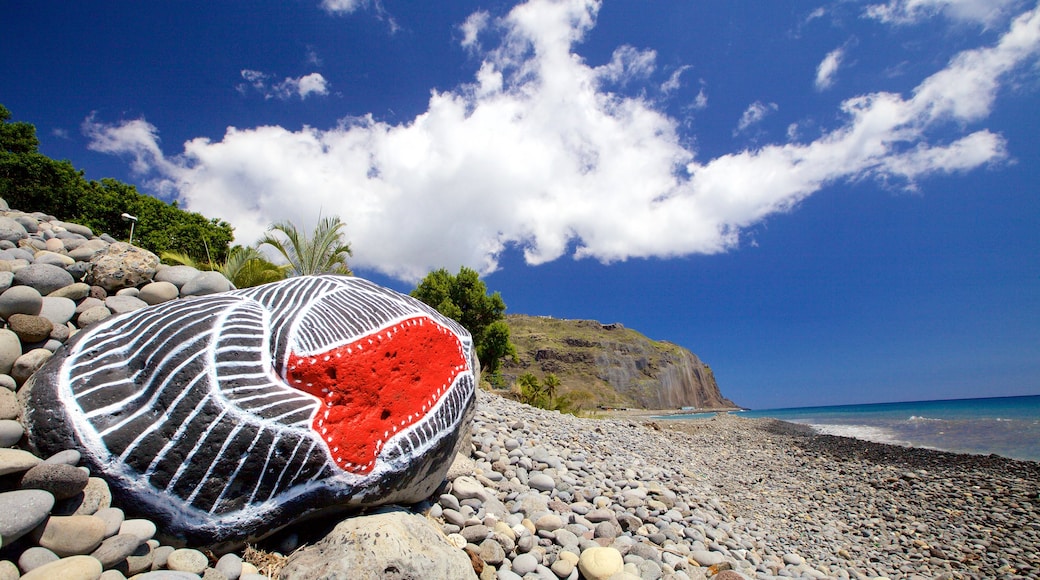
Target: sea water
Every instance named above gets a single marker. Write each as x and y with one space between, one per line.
1007 426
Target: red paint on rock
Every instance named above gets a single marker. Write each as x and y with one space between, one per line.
377 386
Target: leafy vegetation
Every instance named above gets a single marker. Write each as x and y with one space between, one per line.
464 298
324 251
244 267
29 179
543 395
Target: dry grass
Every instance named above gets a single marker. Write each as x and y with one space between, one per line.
269 564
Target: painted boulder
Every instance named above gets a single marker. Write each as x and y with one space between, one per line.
227 417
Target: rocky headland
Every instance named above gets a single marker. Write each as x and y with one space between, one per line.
609 365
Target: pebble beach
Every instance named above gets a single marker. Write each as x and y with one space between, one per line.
733 498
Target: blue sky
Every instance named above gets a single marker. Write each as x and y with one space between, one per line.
829 202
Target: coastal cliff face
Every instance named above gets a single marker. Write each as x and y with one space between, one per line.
610 365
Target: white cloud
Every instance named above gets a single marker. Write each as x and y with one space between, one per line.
627 64
475 24
535 154
701 102
675 80
302 87
828 68
754 114
341 6
985 12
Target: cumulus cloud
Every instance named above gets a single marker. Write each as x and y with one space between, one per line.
302 87
754 114
627 64
472 27
985 12
536 154
828 68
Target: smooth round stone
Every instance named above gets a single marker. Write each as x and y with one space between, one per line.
706 558
57 309
562 567
167 575
793 559
16 461
466 487
96 496
11 230
541 482
23 510
71 568
121 304
35 557
7 382
230 565
158 292
457 540
61 332
128 292
10 350
9 406
206 283
113 517
11 432
491 552
45 278
63 481
20 300
6 279
71 535
78 229
159 556
30 328
600 563
29 363
67 457
475 534
176 275
55 245
8 571
87 303
187 560
141 560
53 258
525 564
84 252
549 523
92 316
77 291
143 529
116 549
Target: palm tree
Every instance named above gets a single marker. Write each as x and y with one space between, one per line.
324 251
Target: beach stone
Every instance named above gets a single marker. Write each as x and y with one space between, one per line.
57 309
375 546
158 292
61 332
525 564
53 259
230 565
160 555
70 535
11 432
6 279
206 283
17 461
466 487
70 568
11 230
96 496
23 510
92 316
142 528
121 265
360 323
600 563
707 558
62 481
78 229
35 557
10 350
541 482
141 560
8 570
66 457
121 304
113 518
115 549
128 292
7 382
55 245
44 278
29 363
176 275
20 300
10 408
86 251
187 560
74 292
30 328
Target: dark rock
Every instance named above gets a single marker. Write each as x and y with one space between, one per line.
269 410
62 481
30 328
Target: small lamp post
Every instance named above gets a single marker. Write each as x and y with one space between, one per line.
133 221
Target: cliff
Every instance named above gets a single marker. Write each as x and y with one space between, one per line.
610 365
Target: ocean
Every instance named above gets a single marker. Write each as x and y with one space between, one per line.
1007 426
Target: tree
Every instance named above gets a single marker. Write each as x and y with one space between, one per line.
244 267
324 251
464 298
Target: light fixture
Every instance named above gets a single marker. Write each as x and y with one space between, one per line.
133 220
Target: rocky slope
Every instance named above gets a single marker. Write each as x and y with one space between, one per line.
610 365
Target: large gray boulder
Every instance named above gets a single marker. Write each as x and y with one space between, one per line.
227 417
45 278
392 544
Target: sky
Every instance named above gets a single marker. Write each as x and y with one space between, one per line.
828 202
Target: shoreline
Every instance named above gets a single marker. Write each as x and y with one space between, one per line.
771 498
